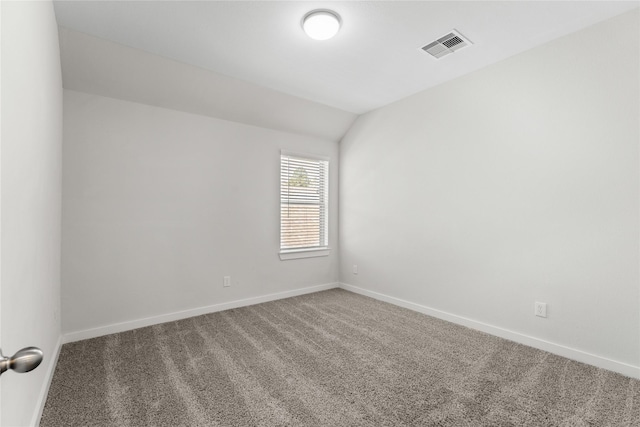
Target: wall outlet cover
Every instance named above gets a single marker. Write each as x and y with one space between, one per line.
540 309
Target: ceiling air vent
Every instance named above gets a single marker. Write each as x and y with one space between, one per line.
446 44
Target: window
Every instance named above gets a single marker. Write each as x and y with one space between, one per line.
303 206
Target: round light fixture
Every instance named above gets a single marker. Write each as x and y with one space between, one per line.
321 24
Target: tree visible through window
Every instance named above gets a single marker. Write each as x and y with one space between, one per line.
299 178
303 203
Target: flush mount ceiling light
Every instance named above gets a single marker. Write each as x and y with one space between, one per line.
321 24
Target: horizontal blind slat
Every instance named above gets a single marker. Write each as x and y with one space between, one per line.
303 196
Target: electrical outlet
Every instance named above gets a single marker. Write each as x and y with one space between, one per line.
540 309
355 269
227 281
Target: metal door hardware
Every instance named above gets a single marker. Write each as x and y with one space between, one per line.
24 360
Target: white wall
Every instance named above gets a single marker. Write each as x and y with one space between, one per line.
31 191
159 205
514 184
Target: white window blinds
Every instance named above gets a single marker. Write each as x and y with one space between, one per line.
303 203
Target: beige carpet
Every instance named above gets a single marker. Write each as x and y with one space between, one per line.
332 358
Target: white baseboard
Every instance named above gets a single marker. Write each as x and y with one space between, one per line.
558 349
44 391
179 315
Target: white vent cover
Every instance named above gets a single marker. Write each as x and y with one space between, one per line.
446 44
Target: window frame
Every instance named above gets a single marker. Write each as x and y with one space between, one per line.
305 252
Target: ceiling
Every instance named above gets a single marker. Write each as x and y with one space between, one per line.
375 59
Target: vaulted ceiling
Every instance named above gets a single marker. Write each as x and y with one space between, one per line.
375 59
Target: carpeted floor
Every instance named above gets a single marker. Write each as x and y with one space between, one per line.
333 358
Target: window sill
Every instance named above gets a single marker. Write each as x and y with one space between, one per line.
303 253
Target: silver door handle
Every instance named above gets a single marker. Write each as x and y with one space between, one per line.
24 360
